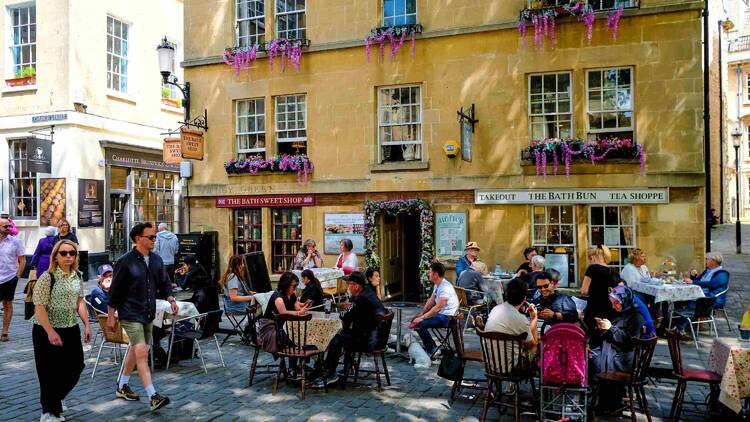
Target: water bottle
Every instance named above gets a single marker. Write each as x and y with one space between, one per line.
327 306
498 270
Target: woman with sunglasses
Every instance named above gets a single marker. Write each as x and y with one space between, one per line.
58 352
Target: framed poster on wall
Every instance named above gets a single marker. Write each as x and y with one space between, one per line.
52 202
90 203
451 230
344 226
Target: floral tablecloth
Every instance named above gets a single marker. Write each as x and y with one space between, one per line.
731 359
320 329
668 292
328 277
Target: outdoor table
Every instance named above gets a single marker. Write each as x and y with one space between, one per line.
328 277
494 286
397 307
164 310
670 293
322 328
731 359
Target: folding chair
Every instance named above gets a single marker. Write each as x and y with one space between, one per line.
443 335
194 332
93 312
236 320
471 309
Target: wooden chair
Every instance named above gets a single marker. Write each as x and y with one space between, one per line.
268 369
291 333
466 356
115 340
685 375
505 360
634 381
352 358
470 309
443 335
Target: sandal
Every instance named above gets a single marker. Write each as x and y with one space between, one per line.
4 337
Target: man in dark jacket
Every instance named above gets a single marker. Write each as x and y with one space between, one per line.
360 324
552 306
139 278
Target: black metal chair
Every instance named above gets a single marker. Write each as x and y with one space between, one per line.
352 358
193 329
252 336
685 375
291 334
443 335
237 320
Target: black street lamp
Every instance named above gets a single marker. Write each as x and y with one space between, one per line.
737 141
165 51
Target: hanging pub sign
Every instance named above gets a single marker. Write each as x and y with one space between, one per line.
191 144
90 203
467 120
172 151
38 155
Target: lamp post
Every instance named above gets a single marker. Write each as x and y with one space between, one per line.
737 140
165 51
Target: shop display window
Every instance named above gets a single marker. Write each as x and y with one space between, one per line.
248 231
554 232
613 226
287 237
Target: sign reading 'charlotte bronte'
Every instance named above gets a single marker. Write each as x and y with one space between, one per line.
265 201
191 144
572 196
137 159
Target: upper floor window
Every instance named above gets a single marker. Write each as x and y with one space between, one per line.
608 4
400 123
23 40
23 186
550 106
609 105
290 19
251 23
399 12
251 128
747 86
291 124
117 55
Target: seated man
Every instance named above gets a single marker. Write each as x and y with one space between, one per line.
552 306
472 279
442 304
99 295
537 267
359 325
510 316
714 280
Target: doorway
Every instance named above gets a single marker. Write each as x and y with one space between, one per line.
118 227
400 247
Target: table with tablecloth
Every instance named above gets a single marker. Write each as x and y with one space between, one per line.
320 329
676 292
164 310
328 277
731 359
494 287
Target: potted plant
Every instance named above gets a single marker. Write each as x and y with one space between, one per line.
23 77
165 98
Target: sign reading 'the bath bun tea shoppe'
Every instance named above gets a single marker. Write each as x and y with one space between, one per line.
572 196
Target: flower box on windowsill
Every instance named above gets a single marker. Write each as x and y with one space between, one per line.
564 152
171 102
18 82
394 35
298 163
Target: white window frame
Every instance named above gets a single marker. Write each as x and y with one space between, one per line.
259 20
277 118
556 94
381 124
403 15
11 44
256 117
616 3
277 20
747 87
624 249
574 225
601 90
20 145
123 58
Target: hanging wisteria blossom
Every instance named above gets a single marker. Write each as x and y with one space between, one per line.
540 151
297 163
393 35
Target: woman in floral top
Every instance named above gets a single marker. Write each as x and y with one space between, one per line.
58 351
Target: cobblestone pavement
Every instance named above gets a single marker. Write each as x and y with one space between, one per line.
223 395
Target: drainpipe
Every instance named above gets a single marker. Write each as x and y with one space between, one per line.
739 127
721 127
706 128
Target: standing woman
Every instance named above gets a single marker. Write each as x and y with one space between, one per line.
64 233
596 284
347 261
40 259
308 257
58 296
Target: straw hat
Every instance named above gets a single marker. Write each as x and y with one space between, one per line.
473 245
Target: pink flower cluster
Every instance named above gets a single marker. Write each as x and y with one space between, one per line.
395 36
240 59
288 50
544 21
298 163
594 151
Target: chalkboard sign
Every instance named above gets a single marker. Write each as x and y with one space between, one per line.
205 247
558 261
257 271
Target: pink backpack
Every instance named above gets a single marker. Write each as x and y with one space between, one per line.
564 355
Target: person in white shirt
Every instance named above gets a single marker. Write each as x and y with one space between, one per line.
347 261
636 269
507 318
442 304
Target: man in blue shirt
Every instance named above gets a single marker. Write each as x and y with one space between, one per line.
464 263
100 293
713 280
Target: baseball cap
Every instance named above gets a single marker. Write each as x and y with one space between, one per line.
356 277
103 269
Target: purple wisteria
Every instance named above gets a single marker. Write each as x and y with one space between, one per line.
565 150
298 163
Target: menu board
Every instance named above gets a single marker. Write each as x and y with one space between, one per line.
558 261
52 200
344 226
451 231
90 203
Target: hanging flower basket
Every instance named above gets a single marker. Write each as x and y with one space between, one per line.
395 36
564 151
543 17
298 163
401 206
289 50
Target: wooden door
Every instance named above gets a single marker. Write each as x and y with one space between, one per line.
391 256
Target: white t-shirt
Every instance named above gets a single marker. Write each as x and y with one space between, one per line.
505 318
631 273
445 289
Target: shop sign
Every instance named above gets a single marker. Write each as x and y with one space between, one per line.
137 159
572 196
344 226
191 144
90 203
278 201
58 117
38 155
450 230
172 151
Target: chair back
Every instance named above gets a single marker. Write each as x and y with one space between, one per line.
673 340
90 308
643 351
503 355
479 322
291 333
704 307
463 301
458 336
563 355
117 335
384 331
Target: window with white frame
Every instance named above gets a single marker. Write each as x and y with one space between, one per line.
609 105
117 55
598 5
400 123
23 40
399 12
290 19
554 234
251 23
747 86
251 128
291 124
550 106
23 186
614 226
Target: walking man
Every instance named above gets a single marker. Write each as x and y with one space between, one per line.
166 247
12 264
139 278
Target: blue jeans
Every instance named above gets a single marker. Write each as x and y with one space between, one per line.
438 321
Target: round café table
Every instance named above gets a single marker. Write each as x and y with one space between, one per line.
397 308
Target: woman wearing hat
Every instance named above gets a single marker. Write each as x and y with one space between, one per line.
465 262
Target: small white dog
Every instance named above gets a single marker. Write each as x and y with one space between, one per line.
417 355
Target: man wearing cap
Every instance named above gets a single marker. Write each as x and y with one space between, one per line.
100 293
472 255
359 326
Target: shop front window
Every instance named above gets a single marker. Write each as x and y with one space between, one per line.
287 237
248 231
554 236
613 226
23 192
154 198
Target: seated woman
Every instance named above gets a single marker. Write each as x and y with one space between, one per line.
616 351
282 301
205 291
347 261
308 257
373 280
236 293
191 275
312 292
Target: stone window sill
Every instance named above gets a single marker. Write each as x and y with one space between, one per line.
400 166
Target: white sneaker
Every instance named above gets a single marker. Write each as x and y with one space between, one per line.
49 417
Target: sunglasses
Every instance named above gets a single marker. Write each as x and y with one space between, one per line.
152 238
67 253
5 226
543 286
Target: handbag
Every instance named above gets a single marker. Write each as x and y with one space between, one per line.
28 304
451 367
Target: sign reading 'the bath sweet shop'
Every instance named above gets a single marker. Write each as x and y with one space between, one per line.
572 196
